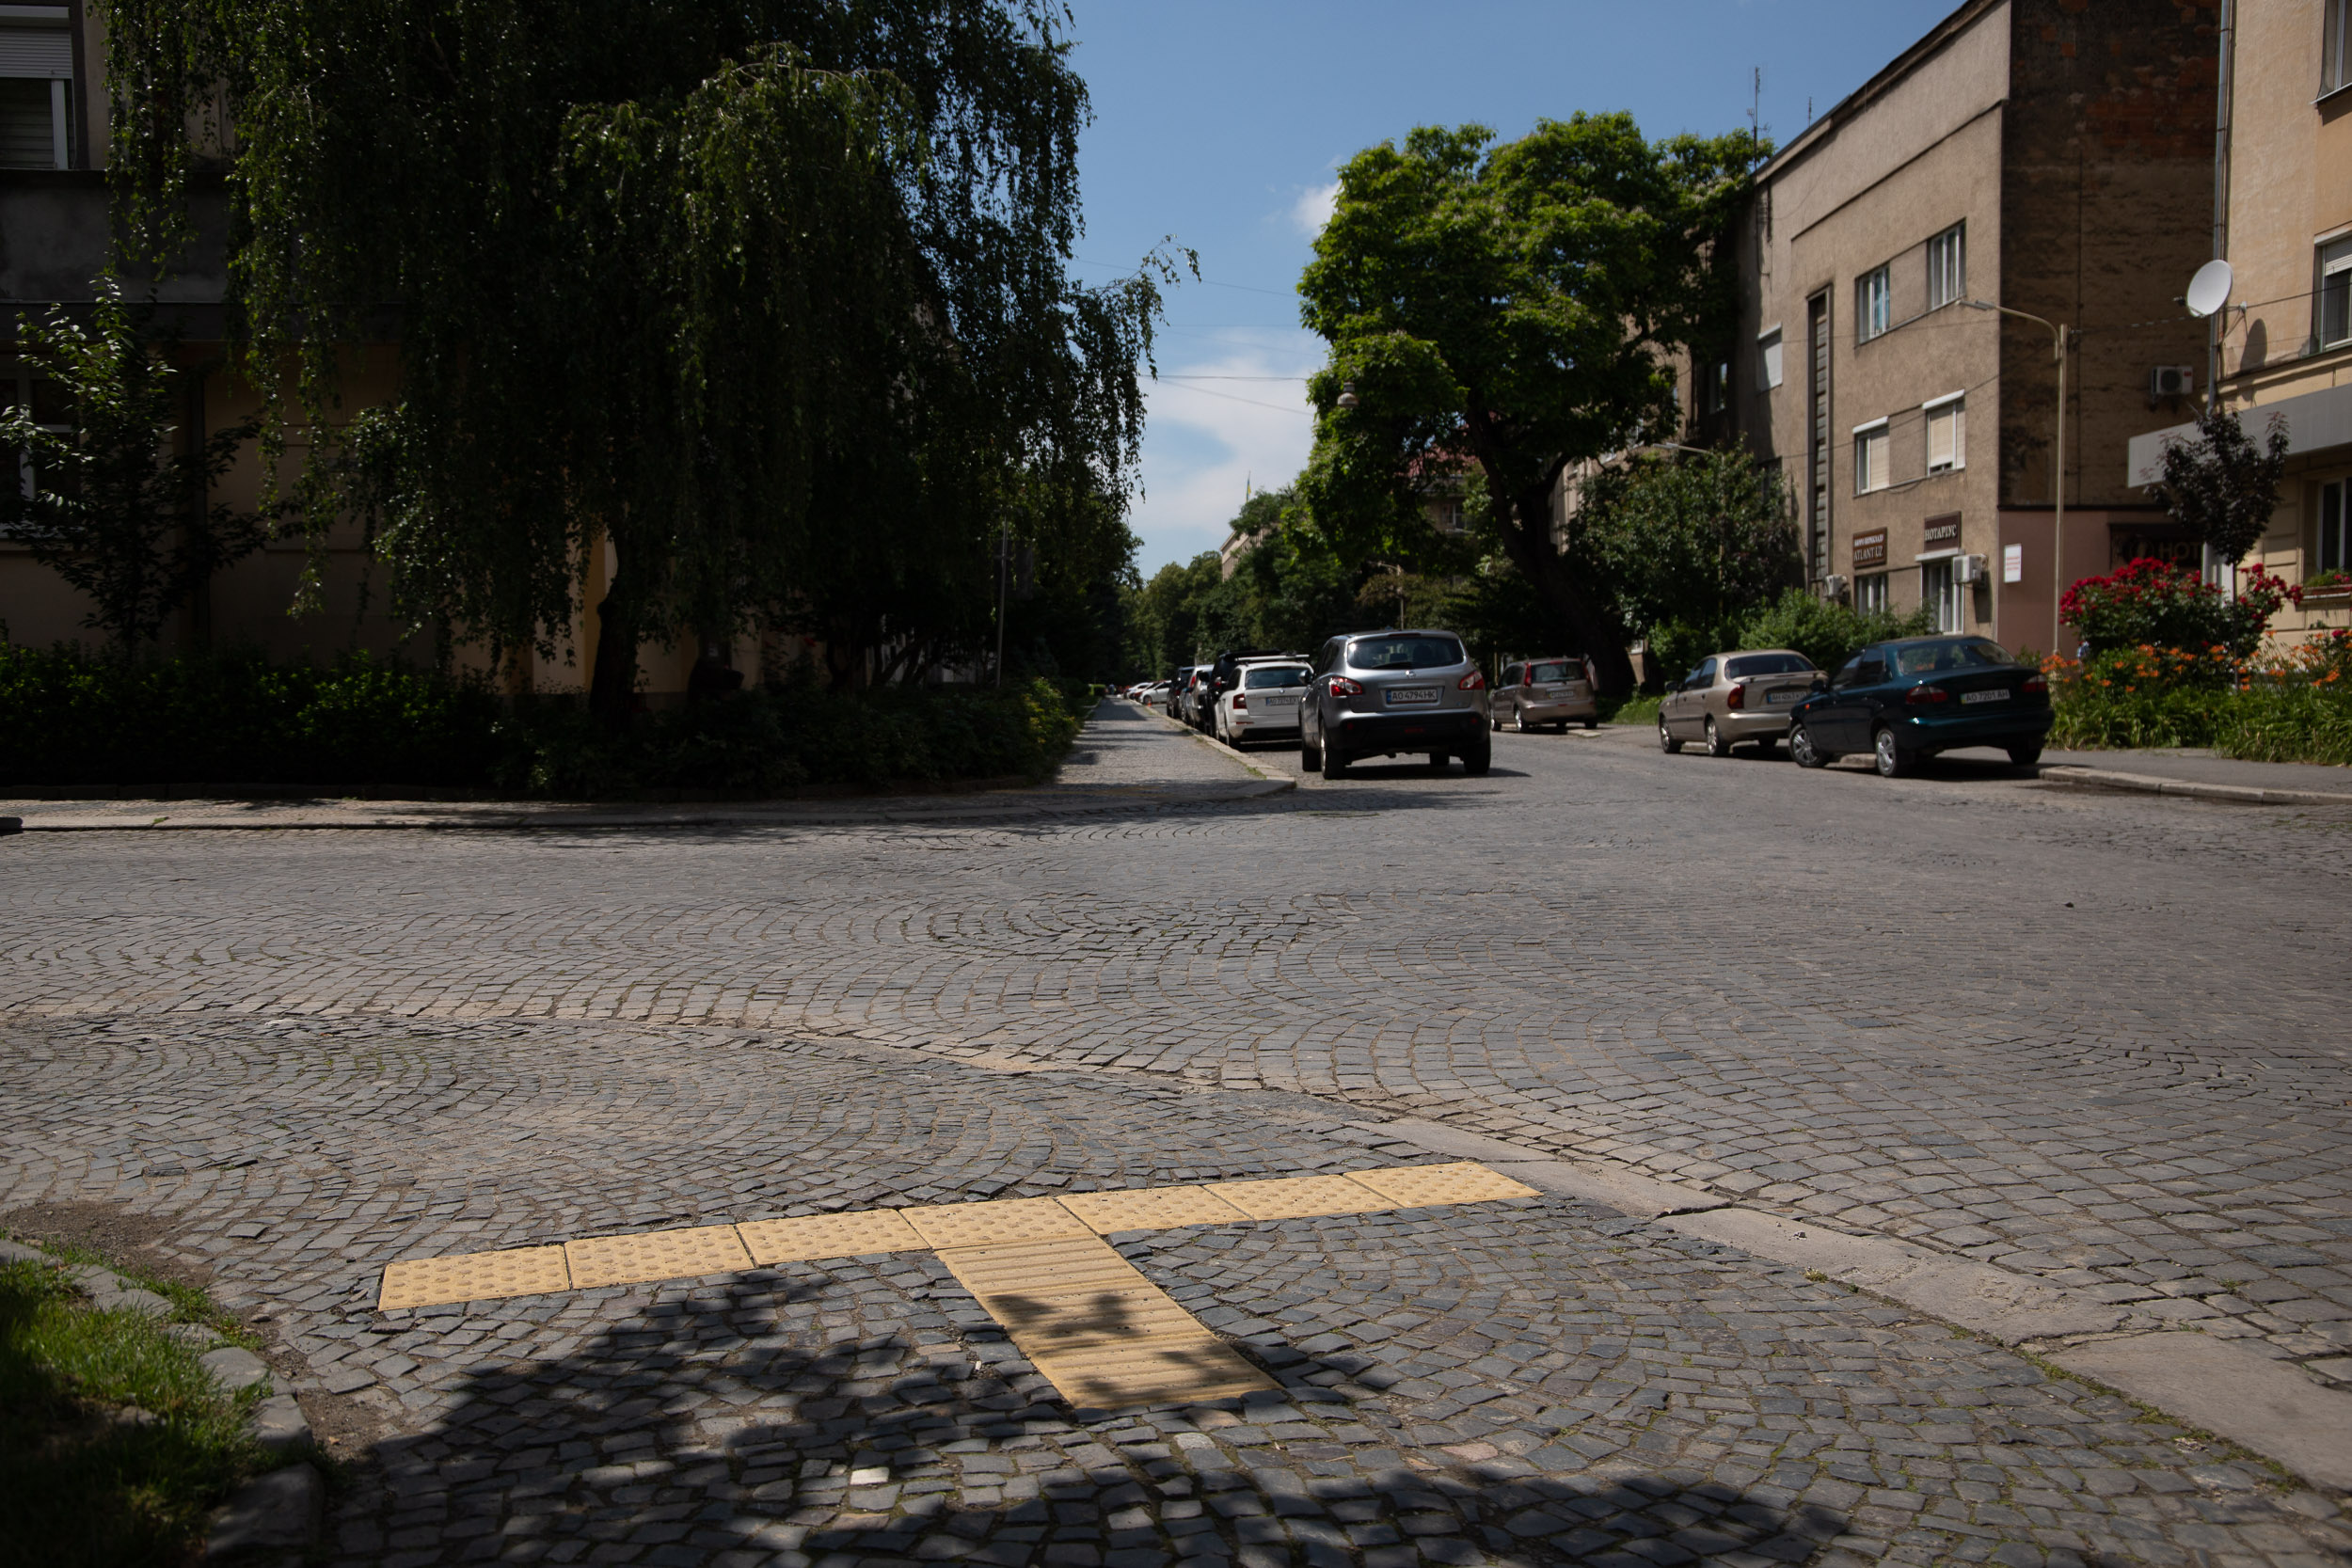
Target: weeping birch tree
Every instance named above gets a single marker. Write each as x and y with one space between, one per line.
767 305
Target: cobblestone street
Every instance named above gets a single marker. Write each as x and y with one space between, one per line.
2094 1040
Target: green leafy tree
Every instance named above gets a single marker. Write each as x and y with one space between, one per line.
765 304
1698 541
1512 308
111 508
2221 486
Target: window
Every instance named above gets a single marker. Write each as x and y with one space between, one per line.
2335 294
47 400
1768 361
1273 677
35 97
1869 594
1404 652
2335 52
1948 266
1947 434
1869 457
2335 528
1768 664
1940 591
1873 293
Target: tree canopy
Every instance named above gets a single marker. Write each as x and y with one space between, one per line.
2221 485
767 305
1513 308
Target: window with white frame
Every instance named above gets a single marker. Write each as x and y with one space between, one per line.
2334 324
36 94
1869 457
2335 528
1873 296
1947 433
2335 50
1870 592
1948 266
1768 359
19 389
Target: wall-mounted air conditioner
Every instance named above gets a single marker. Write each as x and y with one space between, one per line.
1969 568
2172 381
1834 586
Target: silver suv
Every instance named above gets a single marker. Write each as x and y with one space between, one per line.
1379 694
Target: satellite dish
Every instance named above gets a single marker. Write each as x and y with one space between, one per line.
2209 291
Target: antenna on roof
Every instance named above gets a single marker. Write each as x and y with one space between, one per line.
1755 104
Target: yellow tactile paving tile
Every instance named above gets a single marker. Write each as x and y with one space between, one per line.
1426 1186
1299 1197
1020 1219
814 1235
1151 1209
473 1277
655 1255
1153 1372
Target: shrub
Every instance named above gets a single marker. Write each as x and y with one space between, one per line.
1826 631
2292 707
2152 603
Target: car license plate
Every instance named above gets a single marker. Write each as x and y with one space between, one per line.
1280 702
2001 696
1780 699
1412 696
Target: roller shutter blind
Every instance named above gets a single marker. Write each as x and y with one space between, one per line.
36 51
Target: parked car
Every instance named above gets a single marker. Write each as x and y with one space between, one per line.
1545 691
1263 702
1191 705
1176 685
1735 698
1915 697
1385 692
1154 694
1224 676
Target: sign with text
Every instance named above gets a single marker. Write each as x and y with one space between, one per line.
2012 562
1941 533
1869 550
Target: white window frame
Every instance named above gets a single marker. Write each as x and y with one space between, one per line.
2335 290
2335 46
1955 403
1946 599
2331 550
1871 440
1871 592
1948 267
1874 303
1768 359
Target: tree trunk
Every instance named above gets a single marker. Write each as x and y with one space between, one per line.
1526 540
612 688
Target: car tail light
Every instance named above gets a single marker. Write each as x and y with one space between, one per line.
1472 682
1240 701
1342 687
1736 697
1920 696
2036 685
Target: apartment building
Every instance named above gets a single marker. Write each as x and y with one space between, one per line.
2046 157
2283 342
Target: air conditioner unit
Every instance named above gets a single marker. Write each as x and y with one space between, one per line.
2172 381
1969 568
1834 585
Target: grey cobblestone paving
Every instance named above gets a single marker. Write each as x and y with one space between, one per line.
1864 1001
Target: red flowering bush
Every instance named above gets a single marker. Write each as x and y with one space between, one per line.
2148 603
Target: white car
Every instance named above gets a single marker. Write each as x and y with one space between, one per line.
1263 703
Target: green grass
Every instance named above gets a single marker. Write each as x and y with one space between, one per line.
78 1484
1633 711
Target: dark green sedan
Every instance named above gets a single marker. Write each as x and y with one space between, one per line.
1913 698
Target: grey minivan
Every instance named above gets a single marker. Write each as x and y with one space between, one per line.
1381 693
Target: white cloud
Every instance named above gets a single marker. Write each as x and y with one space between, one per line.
1314 208
1208 438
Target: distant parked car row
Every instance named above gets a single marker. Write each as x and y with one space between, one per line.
1897 700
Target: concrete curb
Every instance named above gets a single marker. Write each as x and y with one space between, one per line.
2071 777
1215 745
2224 1386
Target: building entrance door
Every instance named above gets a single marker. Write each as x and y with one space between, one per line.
1940 591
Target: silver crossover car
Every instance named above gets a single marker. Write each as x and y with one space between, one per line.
1736 698
1545 692
1380 694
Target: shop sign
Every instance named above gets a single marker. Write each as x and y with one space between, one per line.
1941 533
1869 550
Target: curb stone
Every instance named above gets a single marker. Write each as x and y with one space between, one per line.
2068 776
280 1511
2226 1387
236 1370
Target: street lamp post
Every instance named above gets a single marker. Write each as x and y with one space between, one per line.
2058 466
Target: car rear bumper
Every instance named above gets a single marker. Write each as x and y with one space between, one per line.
1408 732
1942 734
1748 724
1546 713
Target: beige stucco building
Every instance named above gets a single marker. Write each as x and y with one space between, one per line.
2043 155
2284 340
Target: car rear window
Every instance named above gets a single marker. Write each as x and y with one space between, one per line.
1961 652
1274 674
1546 673
1770 664
1404 652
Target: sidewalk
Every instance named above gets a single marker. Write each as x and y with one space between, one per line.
1121 761
2201 773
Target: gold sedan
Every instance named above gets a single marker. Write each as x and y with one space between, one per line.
1734 698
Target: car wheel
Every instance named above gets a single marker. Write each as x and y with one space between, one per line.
1767 746
1666 742
2025 756
1476 763
1310 754
1894 760
1518 719
1334 763
1437 761
1589 723
1802 748
1716 745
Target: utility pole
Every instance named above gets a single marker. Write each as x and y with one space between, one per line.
1004 592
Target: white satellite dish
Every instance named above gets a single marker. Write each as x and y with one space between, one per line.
2209 291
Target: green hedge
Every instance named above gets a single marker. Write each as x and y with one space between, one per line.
2298 711
70 719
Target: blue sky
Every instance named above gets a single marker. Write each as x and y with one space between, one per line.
1220 124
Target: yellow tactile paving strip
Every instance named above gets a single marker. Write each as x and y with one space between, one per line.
1103 1335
